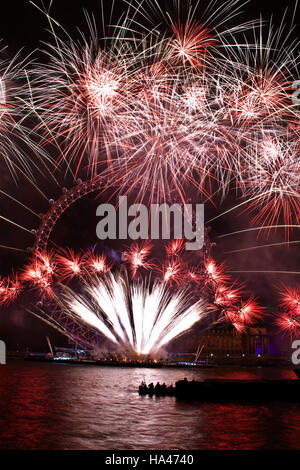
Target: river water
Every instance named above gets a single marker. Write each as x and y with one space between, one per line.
58 406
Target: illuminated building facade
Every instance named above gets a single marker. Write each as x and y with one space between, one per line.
225 345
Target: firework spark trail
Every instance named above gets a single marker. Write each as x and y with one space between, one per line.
241 250
18 141
255 229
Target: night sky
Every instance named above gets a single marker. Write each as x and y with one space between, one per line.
23 26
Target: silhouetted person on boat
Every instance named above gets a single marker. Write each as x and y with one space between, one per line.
143 388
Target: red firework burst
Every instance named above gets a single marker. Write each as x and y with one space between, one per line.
289 319
175 248
70 264
191 42
173 272
10 288
245 314
290 299
39 272
214 273
136 257
96 263
226 296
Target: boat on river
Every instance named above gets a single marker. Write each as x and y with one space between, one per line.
221 390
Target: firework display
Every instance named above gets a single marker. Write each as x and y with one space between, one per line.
166 113
140 314
17 138
136 317
163 114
